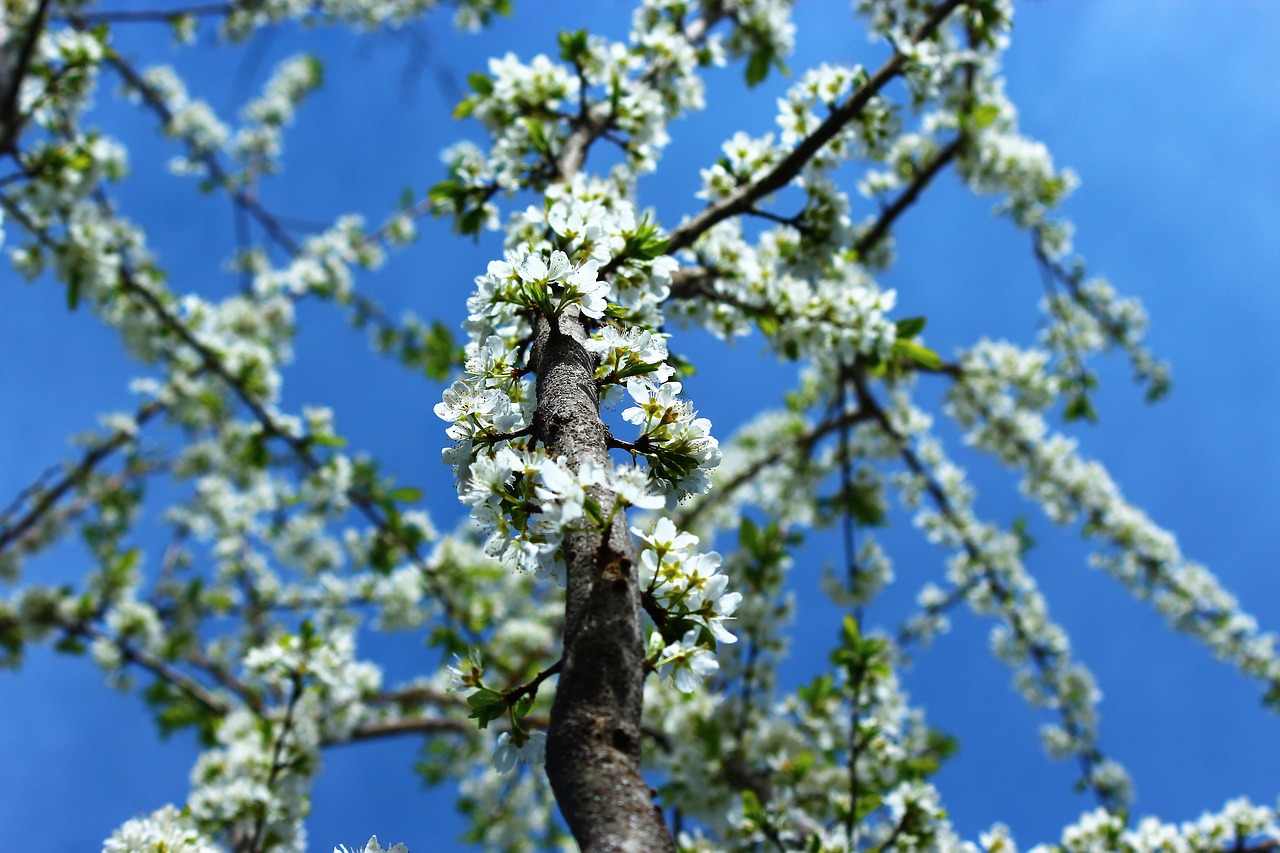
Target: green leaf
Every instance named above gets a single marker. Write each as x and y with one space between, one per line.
653 247
480 83
81 161
442 354
758 67
867 803
465 108
852 634
592 508
486 706
124 563
638 369
315 65
768 325
447 192
863 500
573 45
1080 407
175 709
752 810
538 136
256 453
984 115
749 537
73 290
472 221
910 327
910 351
406 495
1025 540
70 645
382 554
818 691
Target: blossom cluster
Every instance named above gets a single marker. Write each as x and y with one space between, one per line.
1001 407
692 591
987 572
527 500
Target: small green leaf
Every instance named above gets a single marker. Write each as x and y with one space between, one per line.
638 369
1080 407
758 67
910 327
73 290
480 83
442 354
465 108
538 136
256 453
919 354
70 645
752 810
653 247
406 495
472 221
984 115
867 803
446 192
852 634
1025 540
592 508
573 45
80 161
382 554
749 537
486 705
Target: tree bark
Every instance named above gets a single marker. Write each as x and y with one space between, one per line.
593 742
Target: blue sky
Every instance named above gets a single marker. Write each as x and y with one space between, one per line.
1169 111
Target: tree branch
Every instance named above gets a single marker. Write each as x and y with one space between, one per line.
1043 657
908 197
698 281
13 533
800 446
150 16
11 78
791 165
156 666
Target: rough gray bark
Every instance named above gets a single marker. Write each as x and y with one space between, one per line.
593 742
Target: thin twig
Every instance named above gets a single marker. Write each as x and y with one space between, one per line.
14 532
148 16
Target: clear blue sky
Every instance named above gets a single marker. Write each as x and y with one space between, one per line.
1170 112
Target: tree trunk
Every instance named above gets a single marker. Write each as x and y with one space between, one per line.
593 743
